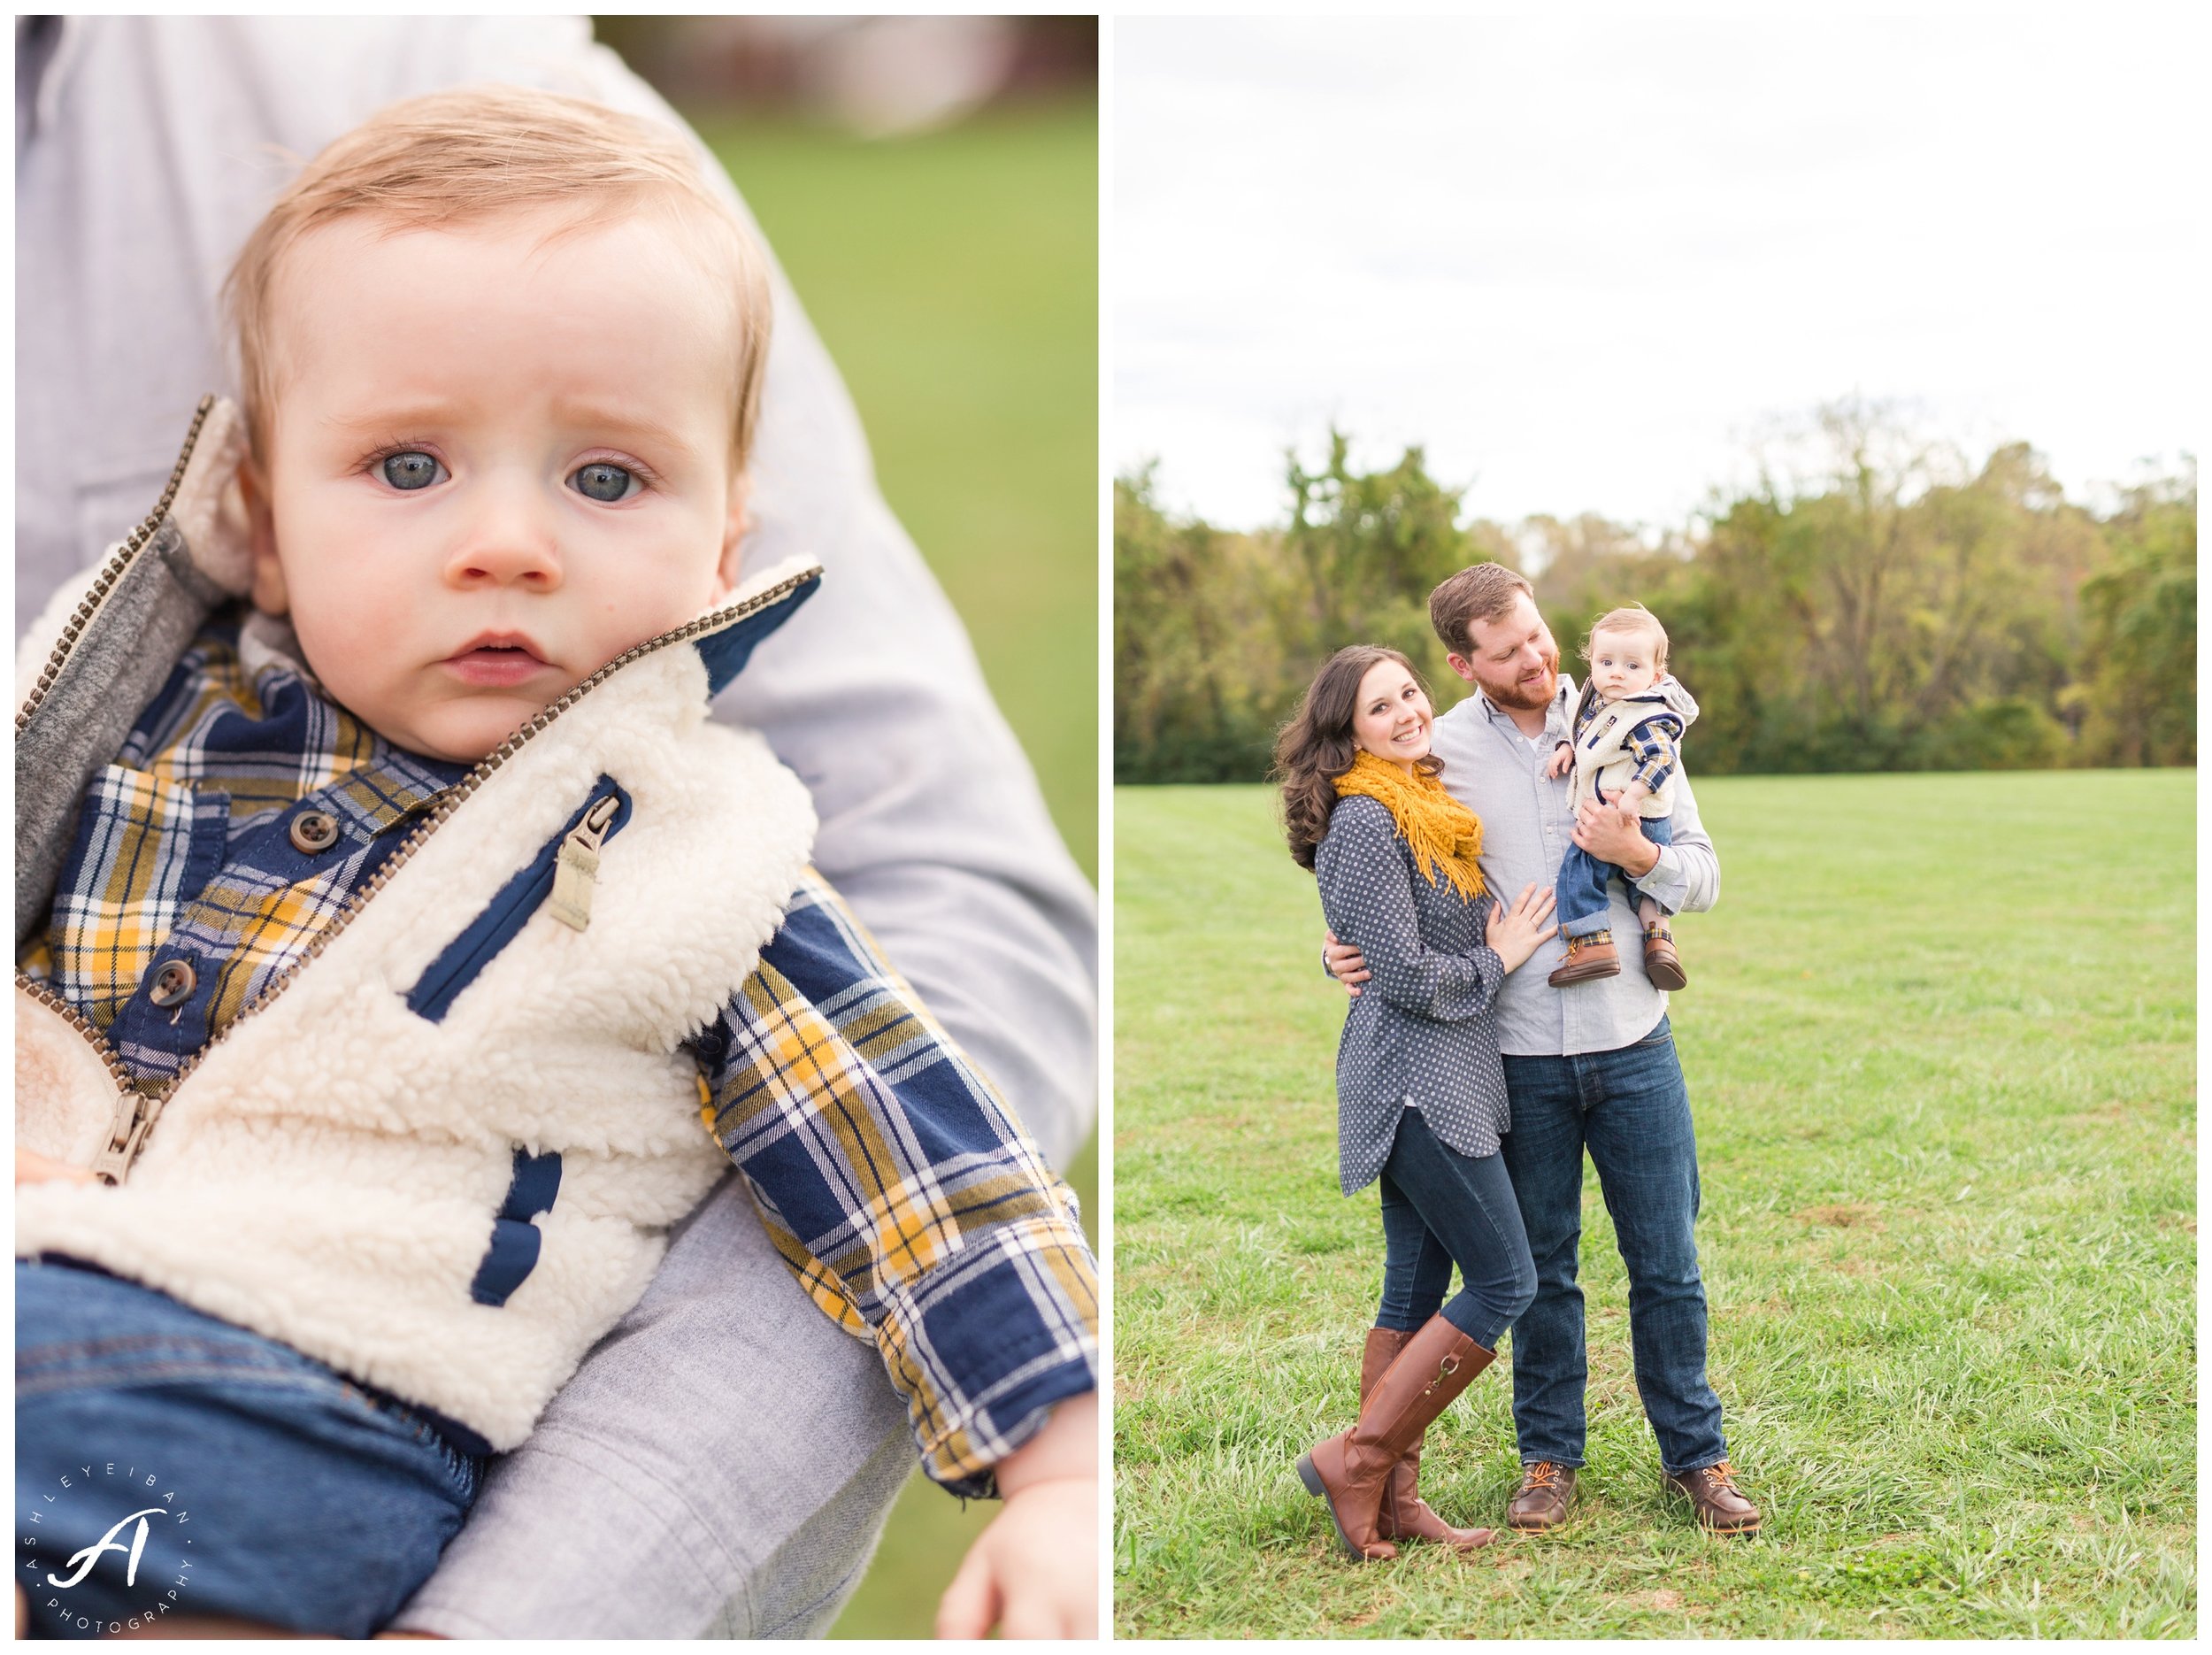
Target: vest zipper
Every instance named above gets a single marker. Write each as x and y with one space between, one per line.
577 868
136 1112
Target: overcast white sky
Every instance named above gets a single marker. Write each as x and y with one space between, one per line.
1588 263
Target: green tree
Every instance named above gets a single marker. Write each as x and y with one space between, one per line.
2139 649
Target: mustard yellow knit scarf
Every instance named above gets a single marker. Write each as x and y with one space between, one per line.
1444 833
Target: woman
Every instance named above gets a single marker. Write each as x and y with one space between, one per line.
1420 1090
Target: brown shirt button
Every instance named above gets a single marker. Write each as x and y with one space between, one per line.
313 831
173 984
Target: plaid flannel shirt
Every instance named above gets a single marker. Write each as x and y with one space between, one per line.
893 1181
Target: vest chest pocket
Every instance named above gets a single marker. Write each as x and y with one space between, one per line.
560 879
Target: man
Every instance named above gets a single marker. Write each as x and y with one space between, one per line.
662 1493
1588 1067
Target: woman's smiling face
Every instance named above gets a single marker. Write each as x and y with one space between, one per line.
1392 718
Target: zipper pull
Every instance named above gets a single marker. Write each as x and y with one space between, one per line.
126 1136
577 865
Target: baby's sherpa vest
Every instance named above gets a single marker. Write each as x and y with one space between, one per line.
336 1170
1602 757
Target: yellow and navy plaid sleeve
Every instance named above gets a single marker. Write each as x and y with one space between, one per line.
901 1190
1651 744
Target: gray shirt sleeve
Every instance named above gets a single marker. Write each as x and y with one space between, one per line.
147 148
1687 877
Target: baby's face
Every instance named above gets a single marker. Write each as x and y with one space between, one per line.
1622 663
495 461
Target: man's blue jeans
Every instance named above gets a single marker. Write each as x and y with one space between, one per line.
1631 1110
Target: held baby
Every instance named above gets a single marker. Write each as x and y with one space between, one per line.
1625 751
501 356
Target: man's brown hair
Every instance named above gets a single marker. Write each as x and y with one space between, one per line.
1483 592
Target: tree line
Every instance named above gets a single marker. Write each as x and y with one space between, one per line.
1891 608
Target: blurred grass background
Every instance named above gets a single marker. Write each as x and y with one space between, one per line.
954 275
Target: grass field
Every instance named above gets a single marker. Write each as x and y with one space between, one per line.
1940 1039
955 279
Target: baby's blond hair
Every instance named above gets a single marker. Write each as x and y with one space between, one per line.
474 154
1635 618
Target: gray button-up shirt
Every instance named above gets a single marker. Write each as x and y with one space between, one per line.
1528 822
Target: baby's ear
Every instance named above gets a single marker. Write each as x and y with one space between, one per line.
268 575
734 528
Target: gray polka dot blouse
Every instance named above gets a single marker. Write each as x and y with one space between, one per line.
1423 1033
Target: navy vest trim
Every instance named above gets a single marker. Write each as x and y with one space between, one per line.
513 1252
727 651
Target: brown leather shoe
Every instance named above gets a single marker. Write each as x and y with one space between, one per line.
1546 1492
1587 957
1351 1471
1405 1514
1661 964
1721 1505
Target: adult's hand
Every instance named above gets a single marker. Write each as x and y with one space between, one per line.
1615 834
1346 964
1516 928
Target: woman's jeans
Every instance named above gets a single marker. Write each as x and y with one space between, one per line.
1439 1208
1631 1110
1584 907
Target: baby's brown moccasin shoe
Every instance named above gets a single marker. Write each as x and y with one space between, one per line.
1661 964
1721 1506
1587 957
1547 1491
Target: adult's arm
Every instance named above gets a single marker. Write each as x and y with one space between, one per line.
147 150
1367 903
1686 877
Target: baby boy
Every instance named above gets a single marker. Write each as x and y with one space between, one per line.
1625 751
417 950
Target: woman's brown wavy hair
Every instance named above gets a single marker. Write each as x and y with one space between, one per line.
1316 746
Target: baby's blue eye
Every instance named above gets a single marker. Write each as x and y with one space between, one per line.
602 482
413 469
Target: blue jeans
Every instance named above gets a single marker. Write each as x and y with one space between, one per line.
1580 886
1439 1207
1631 1110
255 1481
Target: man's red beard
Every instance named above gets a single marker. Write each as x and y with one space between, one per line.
1534 697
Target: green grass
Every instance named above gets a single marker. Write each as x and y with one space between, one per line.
1940 1042
955 279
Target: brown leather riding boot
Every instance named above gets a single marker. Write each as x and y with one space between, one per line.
1351 1471
1662 965
1588 958
1405 1514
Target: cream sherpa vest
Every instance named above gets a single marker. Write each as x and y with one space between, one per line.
1602 757
336 1169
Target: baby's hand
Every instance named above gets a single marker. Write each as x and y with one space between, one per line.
31 1168
1562 760
1033 1573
